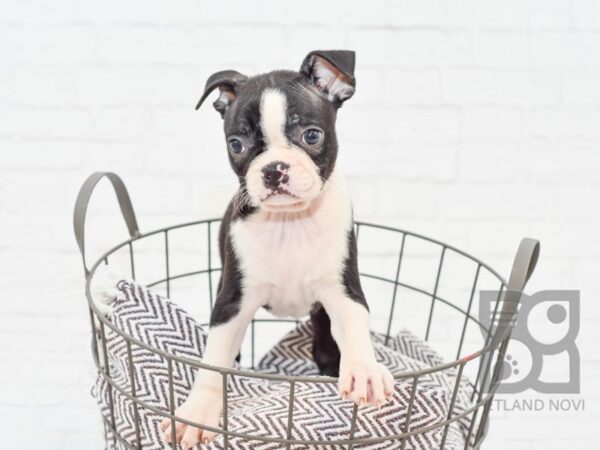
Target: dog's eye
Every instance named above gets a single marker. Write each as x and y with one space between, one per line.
235 146
312 136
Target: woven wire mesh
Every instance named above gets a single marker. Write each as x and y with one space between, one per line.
483 364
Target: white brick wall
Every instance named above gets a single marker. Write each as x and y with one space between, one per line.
476 122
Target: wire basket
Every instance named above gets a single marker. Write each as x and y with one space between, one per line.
482 367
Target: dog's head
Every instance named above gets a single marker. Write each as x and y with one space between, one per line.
280 127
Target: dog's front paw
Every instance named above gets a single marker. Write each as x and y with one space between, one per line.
365 382
203 408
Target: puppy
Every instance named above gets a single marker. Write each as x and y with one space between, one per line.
286 241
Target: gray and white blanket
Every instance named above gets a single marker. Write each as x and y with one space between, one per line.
260 407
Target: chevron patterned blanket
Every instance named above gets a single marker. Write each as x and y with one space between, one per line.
260 407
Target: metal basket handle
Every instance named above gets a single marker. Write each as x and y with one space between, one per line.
523 266
83 200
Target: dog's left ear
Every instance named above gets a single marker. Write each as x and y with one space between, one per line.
332 73
228 82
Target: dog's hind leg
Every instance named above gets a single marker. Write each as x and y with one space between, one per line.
325 350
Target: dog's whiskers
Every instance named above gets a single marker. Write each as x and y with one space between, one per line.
241 200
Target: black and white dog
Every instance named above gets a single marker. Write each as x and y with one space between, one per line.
286 241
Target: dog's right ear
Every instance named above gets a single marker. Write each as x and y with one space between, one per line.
228 82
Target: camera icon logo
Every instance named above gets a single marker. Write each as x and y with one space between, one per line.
542 354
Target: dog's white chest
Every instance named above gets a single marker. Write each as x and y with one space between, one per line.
283 257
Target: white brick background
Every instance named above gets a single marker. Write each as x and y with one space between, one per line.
475 121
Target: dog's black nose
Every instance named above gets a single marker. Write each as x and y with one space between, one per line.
275 173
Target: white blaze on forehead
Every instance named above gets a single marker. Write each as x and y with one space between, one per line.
273 105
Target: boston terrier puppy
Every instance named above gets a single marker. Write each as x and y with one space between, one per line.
287 241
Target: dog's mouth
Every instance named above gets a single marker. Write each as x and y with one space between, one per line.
281 199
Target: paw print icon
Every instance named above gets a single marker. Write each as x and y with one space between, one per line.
509 367
542 354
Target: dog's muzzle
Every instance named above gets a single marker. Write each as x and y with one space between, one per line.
283 179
